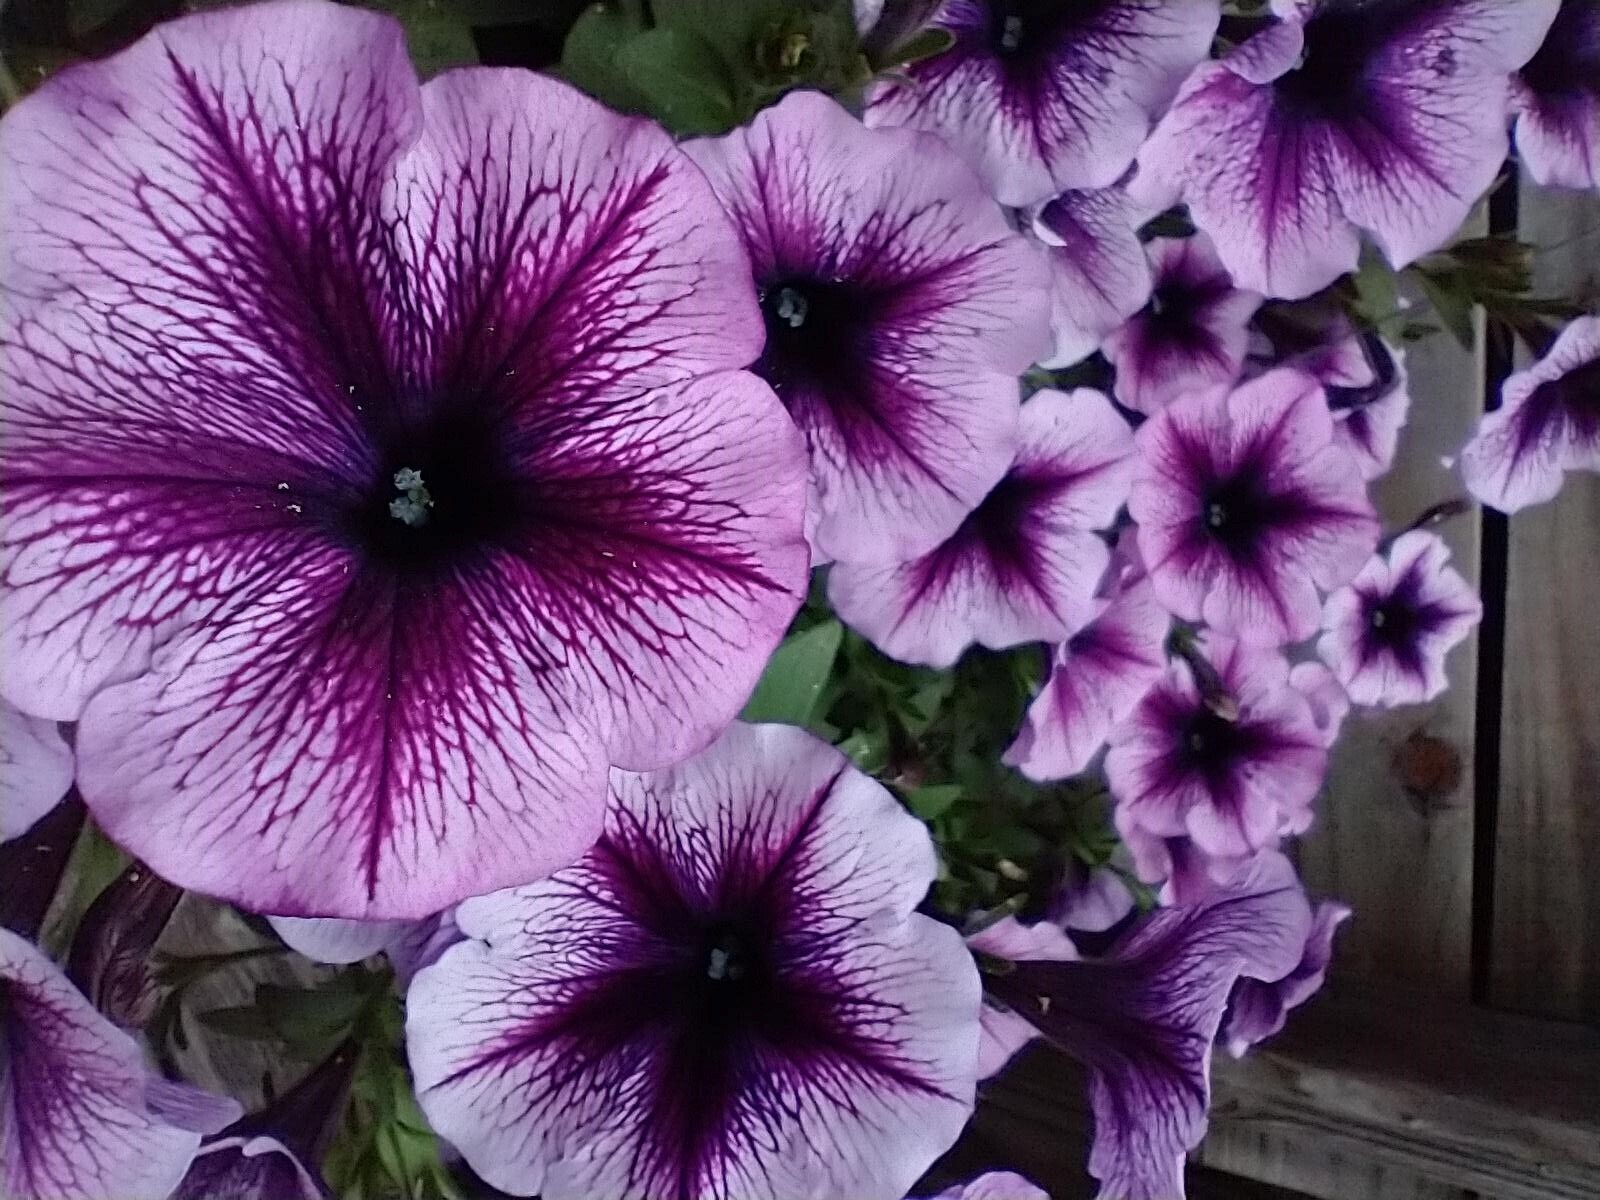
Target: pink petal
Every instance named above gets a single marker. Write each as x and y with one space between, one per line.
35 770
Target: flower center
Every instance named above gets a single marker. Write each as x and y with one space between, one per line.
726 960
1234 513
1210 740
1010 34
818 332
1393 622
415 500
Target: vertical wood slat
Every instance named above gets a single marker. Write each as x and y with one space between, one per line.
1545 942
1394 832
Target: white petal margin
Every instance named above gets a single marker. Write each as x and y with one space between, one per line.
546 1093
35 769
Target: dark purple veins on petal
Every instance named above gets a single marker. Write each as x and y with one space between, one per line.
1567 66
1341 42
1574 400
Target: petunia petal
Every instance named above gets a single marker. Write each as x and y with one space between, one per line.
1257 1010
1059 99
1099 276
1003 1032
543 1050
913 306
79 1123
1548 423
1143 1019
1025 565
248 1168
334 940
996 1185
1558 102
35 770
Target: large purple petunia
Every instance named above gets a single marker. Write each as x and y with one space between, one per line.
1346 116
1024 566
1246 507
1191 336
1042 95
81 1116
1144 1017
1099 275
378 470
35 769
1558 101
1097 676
1388 632
729 997
1223 750
1548 423
900 308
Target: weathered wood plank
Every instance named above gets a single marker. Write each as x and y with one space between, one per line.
1394 832
1545 947
1359 1098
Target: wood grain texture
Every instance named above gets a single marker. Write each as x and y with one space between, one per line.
1394 831
1545 947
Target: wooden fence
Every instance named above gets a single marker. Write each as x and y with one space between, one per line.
1456 1053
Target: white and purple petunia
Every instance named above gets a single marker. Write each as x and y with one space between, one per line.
1042 96
1388 632
1558 101
900 308
35 769
1247 506
729 996
1143 1019
1191 336
1548 423
83 1117
1097 676
379 467
1259 1009
1223 750
1099 274
995 1185
1343 117
1025 565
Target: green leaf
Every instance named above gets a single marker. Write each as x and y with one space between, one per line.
436 34
1454 307
487 13
933 800
793 681
682 78
95 861
922 45
589 56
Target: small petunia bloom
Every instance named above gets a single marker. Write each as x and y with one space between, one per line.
1025 565
1097 676
379 468
729 996
1143 1019
1223 750
1548 423
1042 96
1558 101
1246 507
900 307
1343 117
35 769
1099 274
1191 336
85 1119
996 1185
1389 631
1258 1009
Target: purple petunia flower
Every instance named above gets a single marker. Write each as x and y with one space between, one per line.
85 1119
900 308
35 770
1246 507
1389 631
1548 423
1257 1010
730 996
1344 116
1043 96
378 469
1024 566
1144 1017
1192 335
1099 275
1222 750
1097 676
1558 101
995 1185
